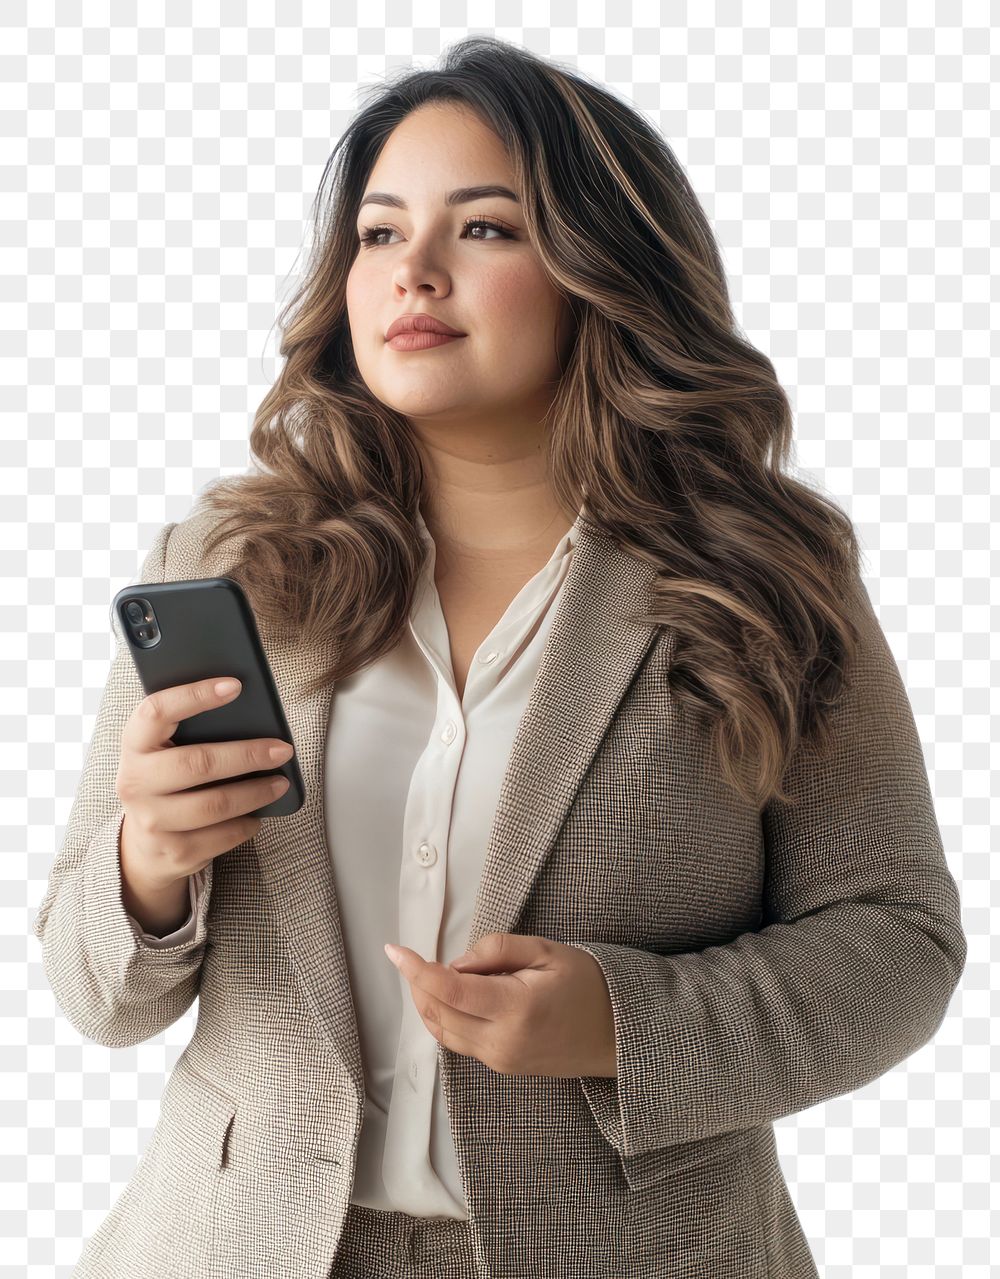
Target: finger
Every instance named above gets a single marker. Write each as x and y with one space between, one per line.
158 715
477 997
190 810
461 1032
181 768
454 1043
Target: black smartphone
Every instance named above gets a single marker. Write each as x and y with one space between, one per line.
180 632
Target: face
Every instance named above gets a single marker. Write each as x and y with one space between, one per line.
482 278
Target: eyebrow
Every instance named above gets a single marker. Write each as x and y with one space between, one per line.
461 195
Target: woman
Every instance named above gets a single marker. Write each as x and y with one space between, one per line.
581 683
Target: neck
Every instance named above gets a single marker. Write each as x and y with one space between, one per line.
495 525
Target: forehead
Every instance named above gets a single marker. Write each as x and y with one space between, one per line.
437 149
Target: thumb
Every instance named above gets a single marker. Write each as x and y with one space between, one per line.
504 953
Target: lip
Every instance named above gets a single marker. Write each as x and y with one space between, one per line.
418 322
414 341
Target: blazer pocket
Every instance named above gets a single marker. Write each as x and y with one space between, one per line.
649 1167
205 1116
163 1221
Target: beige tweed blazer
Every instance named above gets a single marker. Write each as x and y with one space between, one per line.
758 964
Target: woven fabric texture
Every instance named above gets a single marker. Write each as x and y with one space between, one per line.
757 963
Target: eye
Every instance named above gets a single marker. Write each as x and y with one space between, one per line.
370 235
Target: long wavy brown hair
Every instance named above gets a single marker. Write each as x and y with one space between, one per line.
669 424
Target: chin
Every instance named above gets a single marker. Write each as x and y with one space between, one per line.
417 405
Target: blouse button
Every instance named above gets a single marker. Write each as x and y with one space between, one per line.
486 658
426 854
448 732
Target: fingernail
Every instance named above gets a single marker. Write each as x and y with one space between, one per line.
393 952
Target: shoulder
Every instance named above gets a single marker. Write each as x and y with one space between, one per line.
187 554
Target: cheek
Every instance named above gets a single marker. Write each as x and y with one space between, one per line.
517 293
363 281
523 307
352 291
361 316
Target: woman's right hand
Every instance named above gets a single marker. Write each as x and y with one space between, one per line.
171 831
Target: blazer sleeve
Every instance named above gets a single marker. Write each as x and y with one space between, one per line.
853 969
186 931
110 985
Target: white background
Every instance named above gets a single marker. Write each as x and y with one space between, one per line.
156 192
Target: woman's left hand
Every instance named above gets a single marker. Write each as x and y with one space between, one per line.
520 1005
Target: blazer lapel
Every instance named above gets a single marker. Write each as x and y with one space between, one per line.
590 658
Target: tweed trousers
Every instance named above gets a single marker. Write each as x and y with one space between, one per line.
396 1245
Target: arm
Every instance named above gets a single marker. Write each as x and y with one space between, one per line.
111 985
186 931
853 969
